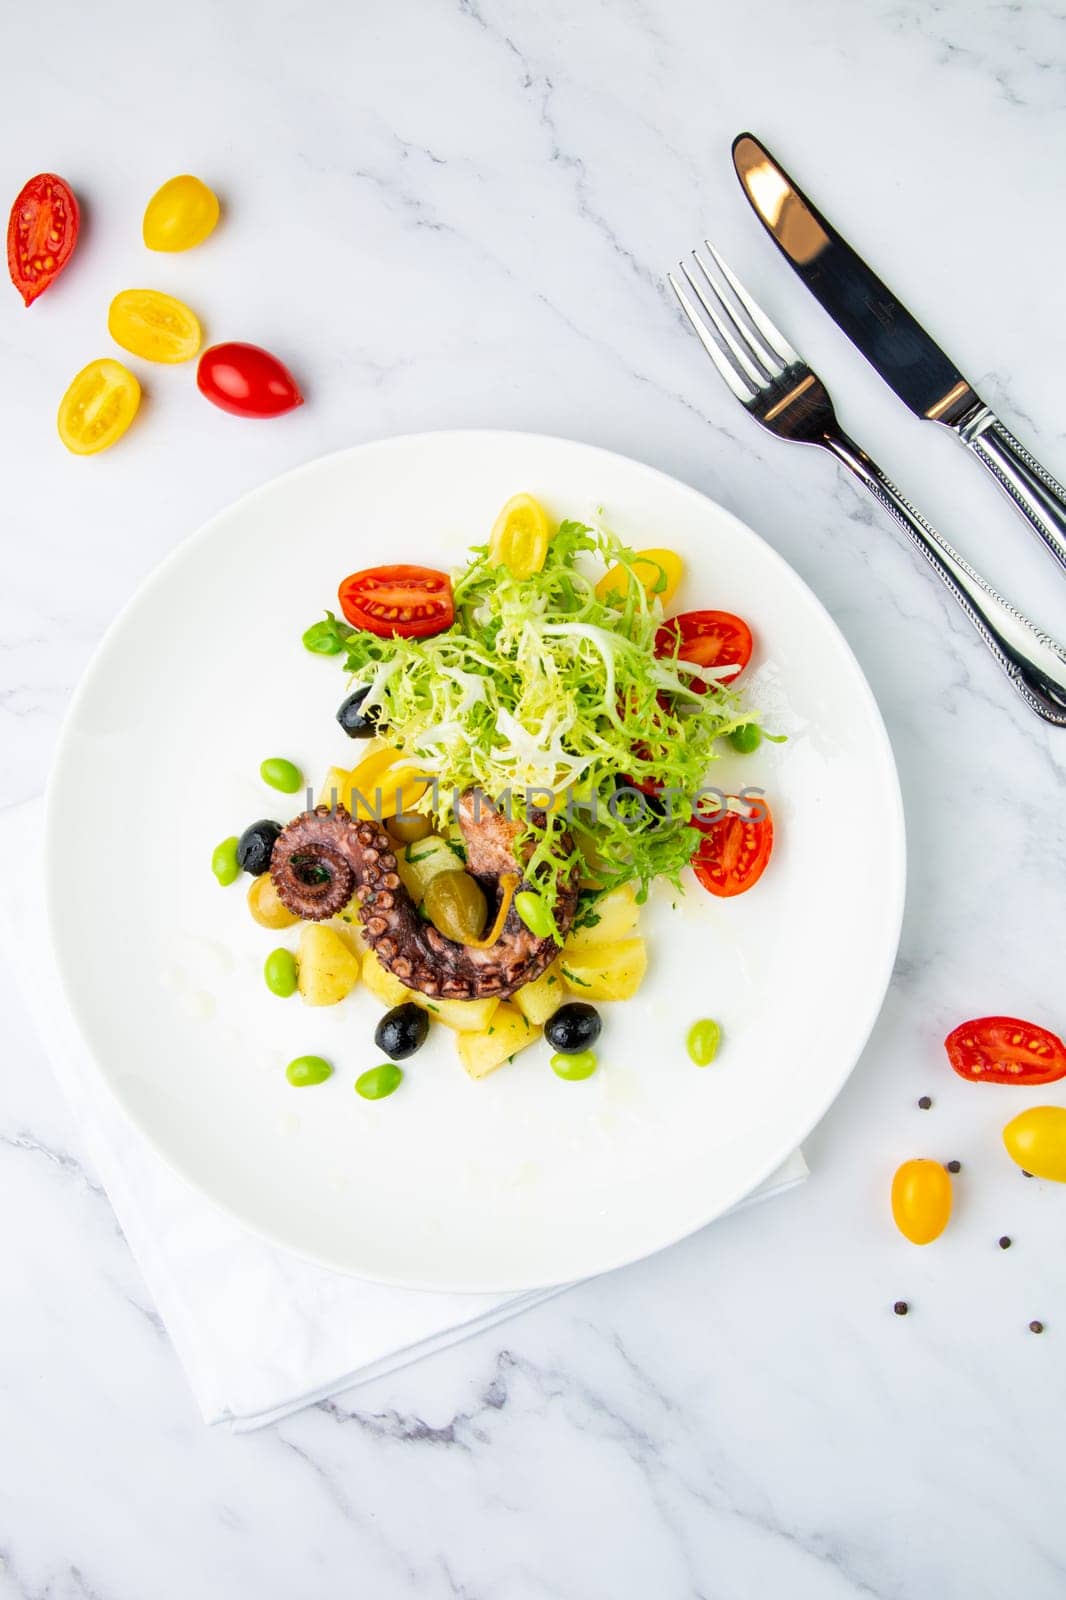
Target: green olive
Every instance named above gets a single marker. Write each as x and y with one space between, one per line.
409 827
455 904
281 774
703 1040
746 738
574 1068
224 863
379 1081
308 1070
280 972
535 913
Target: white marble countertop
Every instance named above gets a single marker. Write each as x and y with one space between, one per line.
460 215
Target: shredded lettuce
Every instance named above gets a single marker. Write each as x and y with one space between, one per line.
540 685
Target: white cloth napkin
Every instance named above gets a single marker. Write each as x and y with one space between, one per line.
259 1332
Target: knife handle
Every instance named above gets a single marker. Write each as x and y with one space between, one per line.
1039 498
1033 662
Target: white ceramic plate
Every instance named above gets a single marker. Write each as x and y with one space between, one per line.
522 1179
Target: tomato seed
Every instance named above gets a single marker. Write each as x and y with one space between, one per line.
1036 1327
1004 1243
901 1308
924 1103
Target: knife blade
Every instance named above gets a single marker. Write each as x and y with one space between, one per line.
893 341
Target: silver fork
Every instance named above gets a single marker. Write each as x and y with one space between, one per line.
782 392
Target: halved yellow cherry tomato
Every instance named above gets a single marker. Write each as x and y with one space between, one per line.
98 407
180 214
1036 1140
921 1200
520 535
384 785
153 325
659 571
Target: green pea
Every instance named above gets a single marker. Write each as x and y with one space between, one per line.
308 1070
279 970
535 913
224 863
575 1067
379 1081
704 1038
281 774
746 738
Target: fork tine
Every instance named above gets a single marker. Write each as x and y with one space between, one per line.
725 325
743 390
773 335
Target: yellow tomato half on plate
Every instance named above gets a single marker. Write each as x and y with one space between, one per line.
520 535
180 214
98 407
153 325
658 571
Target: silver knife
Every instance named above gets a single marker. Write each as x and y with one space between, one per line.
893 342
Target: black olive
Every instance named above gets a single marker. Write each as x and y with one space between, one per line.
402 1031
255 847
573 1028
356 723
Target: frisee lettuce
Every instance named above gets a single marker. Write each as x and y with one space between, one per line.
539 684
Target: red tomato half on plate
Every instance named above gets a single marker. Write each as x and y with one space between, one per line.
412 602
1005 1050
41 234
706 638
732 855
247 381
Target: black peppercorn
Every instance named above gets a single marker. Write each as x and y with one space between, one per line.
924 1103
1004 1243
954 1166
1036 1327
901 1308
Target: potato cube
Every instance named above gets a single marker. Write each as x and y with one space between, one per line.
606 971
617 913
382 984
465 1016
482 1053
539 1000
329 970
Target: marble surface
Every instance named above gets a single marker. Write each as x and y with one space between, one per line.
459 214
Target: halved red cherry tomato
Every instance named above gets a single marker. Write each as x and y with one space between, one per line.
734 850
41 234
1005 1050
246 380
412 602
707 638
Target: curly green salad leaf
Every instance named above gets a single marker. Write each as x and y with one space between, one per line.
541 685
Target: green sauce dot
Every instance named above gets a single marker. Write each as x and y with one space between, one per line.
703 1041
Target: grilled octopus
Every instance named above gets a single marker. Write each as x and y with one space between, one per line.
326 856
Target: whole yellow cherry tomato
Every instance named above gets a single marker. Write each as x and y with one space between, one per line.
921 1200
98 407
180 214
520 535
658 571
1036 1140
153 325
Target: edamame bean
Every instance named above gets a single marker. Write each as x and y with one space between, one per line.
308 1070
224 863
535 912
281 774
280 972
746 738
574 1068
379 1081
703 1040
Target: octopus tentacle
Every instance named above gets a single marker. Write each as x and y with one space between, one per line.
325 857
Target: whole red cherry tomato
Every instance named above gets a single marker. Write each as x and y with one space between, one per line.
248 381
41 234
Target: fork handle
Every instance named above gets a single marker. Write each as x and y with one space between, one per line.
1033 662
1037 495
